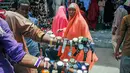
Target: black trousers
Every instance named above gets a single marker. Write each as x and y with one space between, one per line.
51 11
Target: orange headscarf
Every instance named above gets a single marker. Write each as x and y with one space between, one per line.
60 21
77 26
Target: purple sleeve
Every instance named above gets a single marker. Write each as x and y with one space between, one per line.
10 45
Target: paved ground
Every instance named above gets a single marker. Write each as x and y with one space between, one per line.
104 51
102 38
106 62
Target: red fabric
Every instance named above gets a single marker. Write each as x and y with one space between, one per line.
60 21
2 12
93 13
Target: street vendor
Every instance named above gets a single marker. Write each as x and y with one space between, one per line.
77 27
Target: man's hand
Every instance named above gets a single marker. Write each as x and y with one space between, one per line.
117 55
113 32
59 30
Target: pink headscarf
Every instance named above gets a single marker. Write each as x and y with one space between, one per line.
60 21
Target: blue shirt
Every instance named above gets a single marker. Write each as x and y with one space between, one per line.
86 4
32 45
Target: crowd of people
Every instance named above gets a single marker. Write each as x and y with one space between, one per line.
17 26
20 32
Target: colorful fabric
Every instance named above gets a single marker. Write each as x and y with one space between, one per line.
13 49
76 22
73 25
60 21
2 12
93 13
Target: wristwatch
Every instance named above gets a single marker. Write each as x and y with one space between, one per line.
64 45
80 39
60 63
80 46
75 40
71 44
79 71
83 67
75 66
49 32
72 60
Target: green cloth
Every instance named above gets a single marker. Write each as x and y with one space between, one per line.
24 1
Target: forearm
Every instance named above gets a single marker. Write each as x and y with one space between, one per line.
119 42
47 39
114 30
29 61
40 36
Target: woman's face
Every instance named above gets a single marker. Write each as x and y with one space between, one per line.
71 12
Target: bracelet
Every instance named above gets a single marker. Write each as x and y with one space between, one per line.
42 37
51 41
37 63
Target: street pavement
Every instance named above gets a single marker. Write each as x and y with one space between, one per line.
106 63
102 38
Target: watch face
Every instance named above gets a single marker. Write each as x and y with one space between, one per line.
52 35
84 67
60 63
80 46
65 60
70 54
85 49
86 64
75 66
72 60
58 37
75 39
46 59
85 71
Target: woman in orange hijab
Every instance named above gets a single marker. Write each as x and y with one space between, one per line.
60 21
77 27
